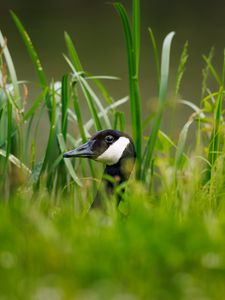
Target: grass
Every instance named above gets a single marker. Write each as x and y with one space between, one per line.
152 254
166 240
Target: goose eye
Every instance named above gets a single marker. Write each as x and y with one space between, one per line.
109 139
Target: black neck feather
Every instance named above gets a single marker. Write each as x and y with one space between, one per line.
113 176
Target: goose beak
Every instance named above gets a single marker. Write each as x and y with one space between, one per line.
84 150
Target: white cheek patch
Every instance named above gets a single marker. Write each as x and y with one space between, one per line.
113 154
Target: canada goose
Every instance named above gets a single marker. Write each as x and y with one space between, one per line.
113 148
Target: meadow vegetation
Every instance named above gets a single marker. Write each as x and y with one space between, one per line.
166 239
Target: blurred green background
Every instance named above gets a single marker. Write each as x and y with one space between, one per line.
97 33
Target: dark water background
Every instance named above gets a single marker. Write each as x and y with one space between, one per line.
97 33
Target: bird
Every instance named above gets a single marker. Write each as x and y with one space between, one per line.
116 150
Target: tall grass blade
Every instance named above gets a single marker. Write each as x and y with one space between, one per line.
205 72
181 68
12 71
31 111
13 99
92 108
194 107
78 113
88 93
10 127
67 161
156 55
133 59
94 98
166 140
81 126
164 76
78 70
113 106
212 69
136 32
101 87
34 58
14 160
30 48
119 121
8 141
65 104
181 144
52 134
215 141
73 53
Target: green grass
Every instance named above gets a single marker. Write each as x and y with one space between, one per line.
47 251
166 239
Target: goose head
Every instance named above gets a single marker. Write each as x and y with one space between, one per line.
110 147
116 150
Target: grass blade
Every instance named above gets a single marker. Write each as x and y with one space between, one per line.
162 99
215 136
92 108
65 104
113 106
93 97
101 87
12 71
73 53
165 67
81 126
68 163
205 72
78 114
136 31
135 99
34 57
212 69
10 127
52 133
156 55
181 68
181 144
30 49
89 95
194 107
30 113
14 160
119 121
85 88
